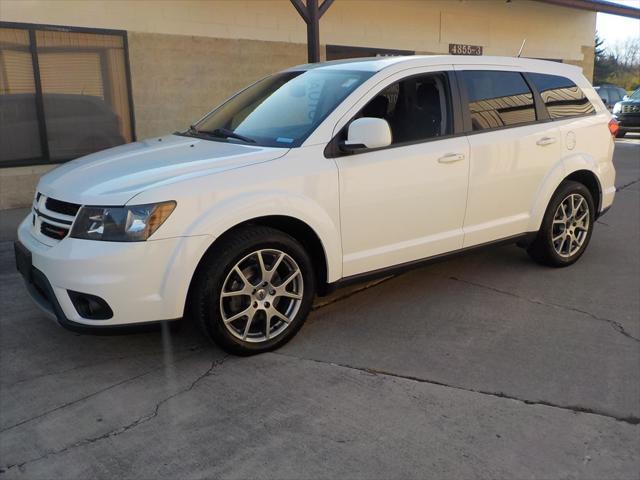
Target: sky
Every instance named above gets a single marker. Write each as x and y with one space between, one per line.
613 28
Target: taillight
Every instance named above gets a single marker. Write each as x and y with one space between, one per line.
613 127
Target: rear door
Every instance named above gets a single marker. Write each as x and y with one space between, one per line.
512 150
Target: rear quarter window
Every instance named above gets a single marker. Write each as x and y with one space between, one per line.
561 96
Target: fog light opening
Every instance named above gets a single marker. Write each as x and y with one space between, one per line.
90 307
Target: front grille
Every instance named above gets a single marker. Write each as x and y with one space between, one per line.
53 218
64 208
53 231
630 108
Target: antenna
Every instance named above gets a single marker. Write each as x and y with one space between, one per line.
521 47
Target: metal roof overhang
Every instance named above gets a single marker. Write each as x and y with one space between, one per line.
601 6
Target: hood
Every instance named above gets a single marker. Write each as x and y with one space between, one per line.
114 176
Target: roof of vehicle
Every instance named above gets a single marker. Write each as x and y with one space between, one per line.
375 64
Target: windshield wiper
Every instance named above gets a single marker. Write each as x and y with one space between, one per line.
226 133
220 133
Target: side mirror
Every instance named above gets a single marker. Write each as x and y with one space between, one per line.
367 132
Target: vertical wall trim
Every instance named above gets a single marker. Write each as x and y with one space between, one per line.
42 124
127 68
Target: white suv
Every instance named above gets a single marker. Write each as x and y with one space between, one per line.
314 177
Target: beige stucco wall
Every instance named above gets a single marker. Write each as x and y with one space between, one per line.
188 55
17 185
421 25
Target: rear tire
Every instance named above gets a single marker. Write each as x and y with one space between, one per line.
253 290
566 227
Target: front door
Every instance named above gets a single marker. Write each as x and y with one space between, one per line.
407 201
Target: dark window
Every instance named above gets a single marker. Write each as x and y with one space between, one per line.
498 99
604 94
19 126
561 96
417 108
614 96
64 93
339 52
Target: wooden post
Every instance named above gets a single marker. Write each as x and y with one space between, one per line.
311 14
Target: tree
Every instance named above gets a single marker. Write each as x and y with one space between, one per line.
603 63
618 64
627 52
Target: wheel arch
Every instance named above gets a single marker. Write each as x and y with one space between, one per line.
296 228
577 168
590 180
303 233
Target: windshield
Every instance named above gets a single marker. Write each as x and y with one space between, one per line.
281 110
636 95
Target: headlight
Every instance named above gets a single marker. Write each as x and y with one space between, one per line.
133 223
617 108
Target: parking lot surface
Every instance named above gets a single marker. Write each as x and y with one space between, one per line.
487 365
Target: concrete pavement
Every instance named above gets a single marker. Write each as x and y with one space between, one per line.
483 366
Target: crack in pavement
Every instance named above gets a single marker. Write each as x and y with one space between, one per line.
631 419
193 348
90 395
125 428
622 187
615 325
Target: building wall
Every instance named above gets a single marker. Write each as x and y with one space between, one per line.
428 25
176 79
186 56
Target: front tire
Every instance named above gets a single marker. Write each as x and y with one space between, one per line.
253 290
566 227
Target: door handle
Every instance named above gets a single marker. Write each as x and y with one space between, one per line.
546 141
451 158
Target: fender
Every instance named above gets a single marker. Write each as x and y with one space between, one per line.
239 209
233 211
561 170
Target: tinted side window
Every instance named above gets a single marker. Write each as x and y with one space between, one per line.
604 94
417 108
498 99
561 96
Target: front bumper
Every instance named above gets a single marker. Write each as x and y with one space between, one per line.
141 281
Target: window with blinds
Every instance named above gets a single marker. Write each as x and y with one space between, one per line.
64 93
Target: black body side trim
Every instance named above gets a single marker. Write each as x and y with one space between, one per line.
522 240
604 210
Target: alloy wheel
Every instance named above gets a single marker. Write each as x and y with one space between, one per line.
261 295
570 225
